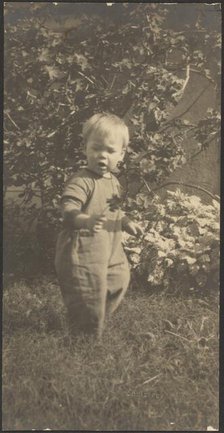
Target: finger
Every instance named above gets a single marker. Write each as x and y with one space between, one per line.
96 229
98 226
101 218
134 231
99 223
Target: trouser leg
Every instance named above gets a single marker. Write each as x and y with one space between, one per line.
85 299
118 281
114 300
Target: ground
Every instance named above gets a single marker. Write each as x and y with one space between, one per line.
156 367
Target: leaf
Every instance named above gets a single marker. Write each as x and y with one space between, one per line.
81 61
190 260
204 258
136 250
44 55
149 237
114 202
135 258
54 72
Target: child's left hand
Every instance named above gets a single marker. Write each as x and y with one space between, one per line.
133 228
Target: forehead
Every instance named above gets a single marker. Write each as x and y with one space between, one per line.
112 137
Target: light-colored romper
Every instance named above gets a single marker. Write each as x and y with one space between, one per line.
92 269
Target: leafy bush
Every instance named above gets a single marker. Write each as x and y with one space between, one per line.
59 72
120 59
180 247
29 238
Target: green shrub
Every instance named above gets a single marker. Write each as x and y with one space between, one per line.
180 247
29 238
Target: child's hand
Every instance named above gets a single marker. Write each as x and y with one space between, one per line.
133 228
95 222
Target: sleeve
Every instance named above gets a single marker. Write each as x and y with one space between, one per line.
70 204
76 193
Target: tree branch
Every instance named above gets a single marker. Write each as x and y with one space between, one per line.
169 122
181 91
195 71
201 150
199 188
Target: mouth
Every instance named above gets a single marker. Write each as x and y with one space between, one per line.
102 166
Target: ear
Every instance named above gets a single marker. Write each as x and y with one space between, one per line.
123 151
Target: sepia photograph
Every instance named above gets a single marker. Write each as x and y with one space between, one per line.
111 216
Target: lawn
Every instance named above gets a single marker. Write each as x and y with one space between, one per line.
156 367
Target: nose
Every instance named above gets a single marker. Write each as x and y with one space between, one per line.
102 156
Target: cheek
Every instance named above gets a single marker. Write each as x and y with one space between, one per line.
121 156
91 154
116 158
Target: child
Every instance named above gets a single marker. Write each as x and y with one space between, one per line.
90 262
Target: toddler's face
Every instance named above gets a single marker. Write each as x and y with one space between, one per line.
104 152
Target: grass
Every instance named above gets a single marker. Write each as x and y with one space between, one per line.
155 369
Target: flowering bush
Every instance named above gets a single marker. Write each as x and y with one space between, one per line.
180 247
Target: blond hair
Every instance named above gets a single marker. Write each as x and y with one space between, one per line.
104 123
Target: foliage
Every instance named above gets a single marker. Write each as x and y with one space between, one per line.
125 59
180 248
29 240
58 74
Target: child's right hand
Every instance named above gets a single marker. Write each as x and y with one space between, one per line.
95 223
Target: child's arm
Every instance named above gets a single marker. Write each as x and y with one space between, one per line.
131 227
78 220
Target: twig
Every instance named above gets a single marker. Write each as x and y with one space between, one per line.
140 157
181 91
203 75
104 79
67 90
195 71
14 123
201 150
187 78
167 124
113 81
176 335
148 188
87 78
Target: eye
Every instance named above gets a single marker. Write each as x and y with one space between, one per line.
95 147
112 151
